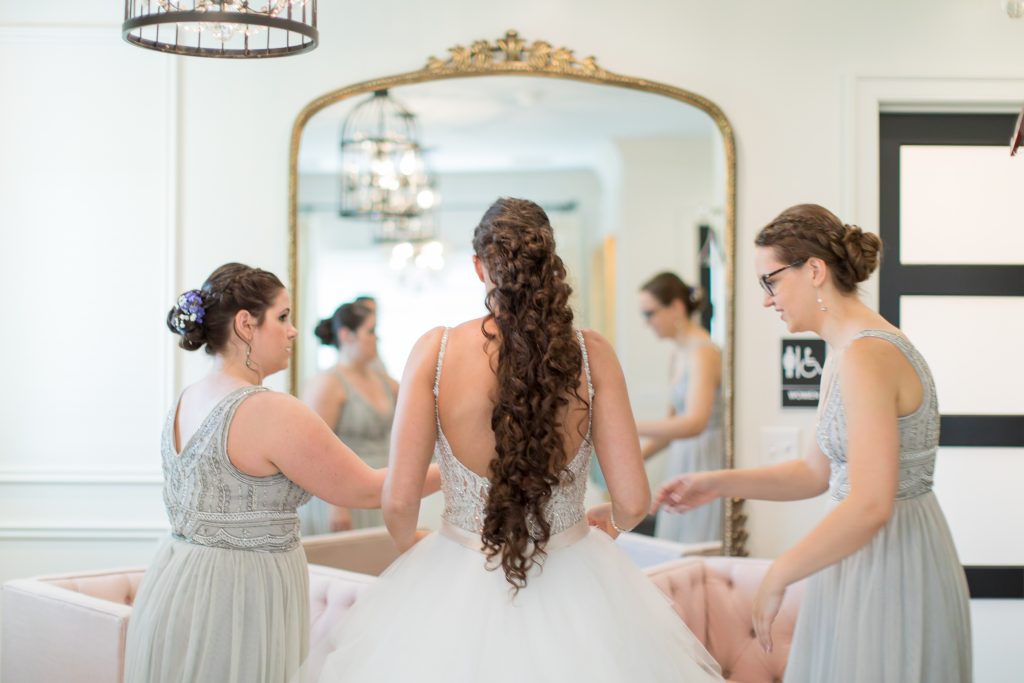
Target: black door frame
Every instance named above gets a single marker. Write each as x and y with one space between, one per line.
897 279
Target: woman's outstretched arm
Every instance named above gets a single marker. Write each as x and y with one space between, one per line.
869 392
413 436
705 377
614 435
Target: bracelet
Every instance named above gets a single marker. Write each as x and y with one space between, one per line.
611 516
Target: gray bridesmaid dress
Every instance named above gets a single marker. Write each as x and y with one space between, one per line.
706 451
896 610
366 431
226 598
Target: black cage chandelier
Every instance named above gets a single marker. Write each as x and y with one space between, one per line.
222 28
384 175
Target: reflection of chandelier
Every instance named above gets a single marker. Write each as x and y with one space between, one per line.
384 177
427 255
222 28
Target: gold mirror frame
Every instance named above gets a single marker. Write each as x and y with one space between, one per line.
512 55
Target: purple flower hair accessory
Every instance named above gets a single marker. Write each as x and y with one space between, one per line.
190 310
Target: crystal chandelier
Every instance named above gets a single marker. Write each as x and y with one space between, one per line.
222 28
384 176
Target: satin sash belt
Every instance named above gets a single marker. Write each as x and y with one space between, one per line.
563 539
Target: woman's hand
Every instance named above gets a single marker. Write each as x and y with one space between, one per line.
340 519
600 516
766 608
686 492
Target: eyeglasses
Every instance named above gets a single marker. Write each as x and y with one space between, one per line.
766 280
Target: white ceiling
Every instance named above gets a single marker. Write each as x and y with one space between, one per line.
506 123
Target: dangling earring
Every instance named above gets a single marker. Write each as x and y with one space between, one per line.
248 354
821 304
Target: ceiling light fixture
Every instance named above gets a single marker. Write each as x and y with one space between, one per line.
237 29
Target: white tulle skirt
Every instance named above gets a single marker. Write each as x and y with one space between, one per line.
437 614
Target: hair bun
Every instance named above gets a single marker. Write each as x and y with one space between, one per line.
324 331
863 251
186 319
699 302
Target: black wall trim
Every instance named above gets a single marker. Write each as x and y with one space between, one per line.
921 280
995 582
898 280
991 431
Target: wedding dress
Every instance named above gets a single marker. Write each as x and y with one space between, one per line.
438 613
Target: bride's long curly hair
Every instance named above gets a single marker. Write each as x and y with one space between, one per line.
538 370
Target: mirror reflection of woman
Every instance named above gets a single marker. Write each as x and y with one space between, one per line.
694 430
887 598
357 400
238 459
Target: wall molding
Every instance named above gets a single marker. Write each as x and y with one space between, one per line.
79 478
58 34
82 533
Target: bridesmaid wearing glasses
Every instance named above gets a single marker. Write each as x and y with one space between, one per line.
887 597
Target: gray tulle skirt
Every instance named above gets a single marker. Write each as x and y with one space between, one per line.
225 616
896 611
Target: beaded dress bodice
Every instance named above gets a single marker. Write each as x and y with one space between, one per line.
466 492
919 431
363 427
210 502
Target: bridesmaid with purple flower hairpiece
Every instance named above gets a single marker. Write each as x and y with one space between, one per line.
226 597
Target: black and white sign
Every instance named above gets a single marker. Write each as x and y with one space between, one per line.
802 361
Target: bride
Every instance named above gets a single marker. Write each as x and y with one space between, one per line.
516 585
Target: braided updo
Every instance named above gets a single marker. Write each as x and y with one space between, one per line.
538 369
205 317
808 230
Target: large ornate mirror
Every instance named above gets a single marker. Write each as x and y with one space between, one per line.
637 177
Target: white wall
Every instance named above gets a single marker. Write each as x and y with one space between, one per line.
87 178
666 190
110 154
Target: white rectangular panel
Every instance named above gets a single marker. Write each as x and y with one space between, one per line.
973 346
86 214
979 490
960 204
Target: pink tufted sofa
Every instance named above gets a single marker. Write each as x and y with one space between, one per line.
72 628
714 596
